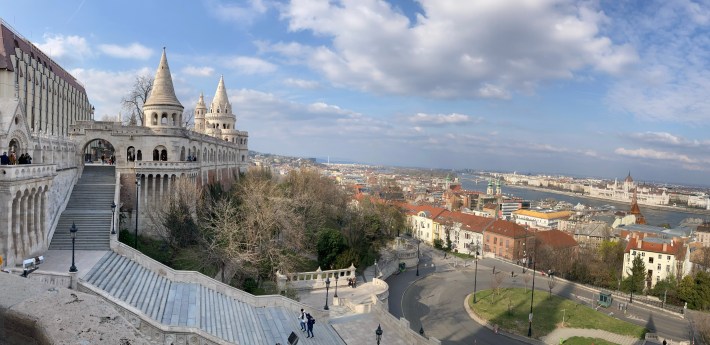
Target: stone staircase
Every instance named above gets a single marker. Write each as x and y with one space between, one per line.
89 207
194 305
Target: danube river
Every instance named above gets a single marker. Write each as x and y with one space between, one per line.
653 216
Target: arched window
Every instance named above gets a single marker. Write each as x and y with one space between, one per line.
131 154
139 155
182 153
164 119
155 119
243 158
164 155
175 120
156 155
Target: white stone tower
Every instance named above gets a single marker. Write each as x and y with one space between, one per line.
162 108
220 120
200 112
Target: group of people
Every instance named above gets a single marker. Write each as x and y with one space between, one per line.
307 321
12 159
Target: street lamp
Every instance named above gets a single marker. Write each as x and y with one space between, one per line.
138 185
113 219
418 241
378 334
72 231
421 330
475 279
327 286
532 296
336 286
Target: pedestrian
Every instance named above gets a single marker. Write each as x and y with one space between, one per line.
512 274
664 342
302 320
28 158
4 159
13 158
21 160
311 321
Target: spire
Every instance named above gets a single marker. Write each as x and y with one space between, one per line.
220 100
636 211
163 92
201 102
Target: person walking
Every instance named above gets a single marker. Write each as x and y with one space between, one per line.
302 320
311 321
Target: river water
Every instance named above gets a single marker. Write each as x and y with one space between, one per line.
653 216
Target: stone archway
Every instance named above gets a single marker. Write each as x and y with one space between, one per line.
98 151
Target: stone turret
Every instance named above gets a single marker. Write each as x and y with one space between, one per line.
200 112
162 108
220 121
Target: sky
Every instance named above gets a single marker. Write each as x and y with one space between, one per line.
583 88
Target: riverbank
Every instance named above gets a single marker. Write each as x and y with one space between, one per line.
585 196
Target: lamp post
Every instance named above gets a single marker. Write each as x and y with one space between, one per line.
138 185
378 334
418 241
336 286
475 279
72 231
327 286
532 297
421 330
113 219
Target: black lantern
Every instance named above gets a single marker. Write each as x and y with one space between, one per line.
327 286
336 286
113 219
421 330
378 334
72 231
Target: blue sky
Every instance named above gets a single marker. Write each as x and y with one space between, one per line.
589 88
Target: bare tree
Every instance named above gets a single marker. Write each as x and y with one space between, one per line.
134 100
526 279
109 118
188 118
497 281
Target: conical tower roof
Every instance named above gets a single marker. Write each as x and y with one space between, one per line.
636 210
201 102
163 92
221 100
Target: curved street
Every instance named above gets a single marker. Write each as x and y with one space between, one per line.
435 300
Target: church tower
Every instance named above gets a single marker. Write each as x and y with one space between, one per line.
200 112
162 108
636 211
220 121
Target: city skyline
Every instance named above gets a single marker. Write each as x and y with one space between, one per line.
579 88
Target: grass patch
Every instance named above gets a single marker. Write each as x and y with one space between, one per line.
510 308
587 341
462 255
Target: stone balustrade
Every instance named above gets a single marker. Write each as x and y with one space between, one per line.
314 280
181 165
199 278
12 173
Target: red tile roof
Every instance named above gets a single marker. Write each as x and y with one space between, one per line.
677 248
468 221
432 211
508 229
556 239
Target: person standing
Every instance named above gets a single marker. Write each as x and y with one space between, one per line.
4 159
311 321
13 158
302 320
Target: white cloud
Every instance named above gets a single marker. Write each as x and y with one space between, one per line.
654 154
300 83
67 49
242 13
107 88
473 49
131 51
440 119
250 65
198 71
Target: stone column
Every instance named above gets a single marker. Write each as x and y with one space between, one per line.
44 232
24 228
16 243
30 226
6 226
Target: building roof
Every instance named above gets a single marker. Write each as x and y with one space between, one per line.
431 211
656 245
9 40
220 100
163 92
544 215
468 222
556 239
628 178
508 229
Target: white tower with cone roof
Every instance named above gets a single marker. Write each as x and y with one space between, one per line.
220 121
162 108
200 112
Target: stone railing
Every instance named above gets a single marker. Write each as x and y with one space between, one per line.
181 165
65 280
155 331
199 278
314 280
26 171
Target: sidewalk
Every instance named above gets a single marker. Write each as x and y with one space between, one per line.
565 333
59 261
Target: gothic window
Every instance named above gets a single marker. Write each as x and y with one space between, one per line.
130 154
156 155
155 119
139 155
164 119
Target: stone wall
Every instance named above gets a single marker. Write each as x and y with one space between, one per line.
59 193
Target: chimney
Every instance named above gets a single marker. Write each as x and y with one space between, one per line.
665 246
638 243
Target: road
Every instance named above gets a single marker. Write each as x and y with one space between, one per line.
435 301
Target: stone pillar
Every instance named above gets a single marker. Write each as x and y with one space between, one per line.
30 226
44 232
16 236
73 278
24 228
5 226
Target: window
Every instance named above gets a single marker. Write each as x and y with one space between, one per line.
650 259
506 243
660 256
659 267
669 257
643 253
633 252
668 268
495 240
